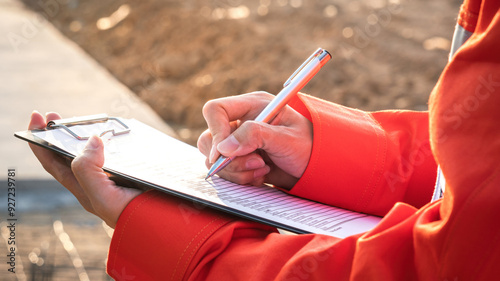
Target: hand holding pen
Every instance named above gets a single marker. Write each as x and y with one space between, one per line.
286 143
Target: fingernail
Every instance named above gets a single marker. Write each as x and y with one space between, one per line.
229 145
261 172
34 112
254 163
92 143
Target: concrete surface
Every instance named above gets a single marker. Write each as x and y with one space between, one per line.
42 70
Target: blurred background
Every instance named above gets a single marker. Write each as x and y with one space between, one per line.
171 56
176 55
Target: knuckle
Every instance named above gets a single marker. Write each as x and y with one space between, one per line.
204 142
253 133
238 177
78 163
262 95
250 126
210 106
260 98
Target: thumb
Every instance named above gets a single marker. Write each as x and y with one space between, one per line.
87 167
107 200
92 155
249 137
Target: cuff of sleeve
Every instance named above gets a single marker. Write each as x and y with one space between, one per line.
158 235
347 159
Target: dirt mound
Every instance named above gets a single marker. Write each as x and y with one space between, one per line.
176 55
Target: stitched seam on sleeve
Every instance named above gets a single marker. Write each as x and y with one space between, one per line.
195 249
369 190
127 222
382 164
189 244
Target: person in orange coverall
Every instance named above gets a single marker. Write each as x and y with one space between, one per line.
381 163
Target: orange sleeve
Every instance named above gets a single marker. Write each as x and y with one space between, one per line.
457 238
463 235
366 161
159 237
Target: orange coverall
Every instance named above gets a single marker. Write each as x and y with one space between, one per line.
381 163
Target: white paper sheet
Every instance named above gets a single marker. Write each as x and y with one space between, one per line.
151 156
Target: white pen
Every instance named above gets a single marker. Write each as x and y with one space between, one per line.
291 87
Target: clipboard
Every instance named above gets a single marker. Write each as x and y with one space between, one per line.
98 118
142 157
66 125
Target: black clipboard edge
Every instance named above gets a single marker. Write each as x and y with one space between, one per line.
138 183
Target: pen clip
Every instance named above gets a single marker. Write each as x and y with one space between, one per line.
318 52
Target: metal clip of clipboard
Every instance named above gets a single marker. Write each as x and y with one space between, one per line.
86 120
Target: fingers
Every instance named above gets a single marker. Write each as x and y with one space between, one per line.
87 168
52 116
204 143
221 115
85 178
207 146
247 169
54 164
37 121
287 148
287 141
251 136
